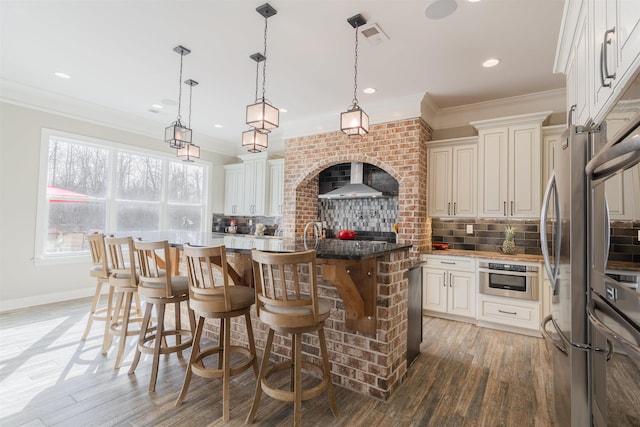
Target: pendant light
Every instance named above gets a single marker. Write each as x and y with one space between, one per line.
255 140
190 151
354 121
177 135
261 115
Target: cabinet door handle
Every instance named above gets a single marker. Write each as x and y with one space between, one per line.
449 208
603 58
454 208
450 277
507 312
504 208
444 280
512 208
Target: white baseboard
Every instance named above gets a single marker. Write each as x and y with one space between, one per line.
18 303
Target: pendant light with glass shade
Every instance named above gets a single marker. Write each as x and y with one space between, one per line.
354 121
190 151
255 140
261 115
177 135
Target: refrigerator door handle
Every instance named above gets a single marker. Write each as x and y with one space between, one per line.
547 335
632 349
552 270
624 155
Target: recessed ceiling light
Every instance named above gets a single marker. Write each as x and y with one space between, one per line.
283 110
369 90
492 62
473 1
217 126
439 9
62 75
157 106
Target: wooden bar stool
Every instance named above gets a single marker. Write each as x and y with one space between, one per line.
282 305
159 288
100 270
124 281
212 296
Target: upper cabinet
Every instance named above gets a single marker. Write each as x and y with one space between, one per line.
234 189
246 186
598 51
276 193
452 177
255 184
509 166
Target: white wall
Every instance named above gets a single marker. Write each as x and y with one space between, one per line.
22 282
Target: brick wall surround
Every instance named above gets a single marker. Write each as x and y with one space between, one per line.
397 147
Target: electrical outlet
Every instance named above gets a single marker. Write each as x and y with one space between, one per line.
469 228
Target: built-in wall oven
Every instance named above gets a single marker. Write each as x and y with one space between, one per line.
508 280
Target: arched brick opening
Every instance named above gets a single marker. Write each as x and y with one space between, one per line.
397 147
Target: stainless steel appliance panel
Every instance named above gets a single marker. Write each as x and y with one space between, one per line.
563 229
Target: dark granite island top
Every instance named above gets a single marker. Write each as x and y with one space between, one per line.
325 248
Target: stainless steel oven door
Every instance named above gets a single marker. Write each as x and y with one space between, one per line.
509 284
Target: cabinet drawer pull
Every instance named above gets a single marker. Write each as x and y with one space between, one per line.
507 312
448 262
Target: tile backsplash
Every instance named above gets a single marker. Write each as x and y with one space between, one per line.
488 235
369 217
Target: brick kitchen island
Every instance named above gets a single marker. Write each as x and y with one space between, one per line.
366 332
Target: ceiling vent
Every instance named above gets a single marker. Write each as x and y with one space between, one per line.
374 34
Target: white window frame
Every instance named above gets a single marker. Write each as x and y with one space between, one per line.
42 210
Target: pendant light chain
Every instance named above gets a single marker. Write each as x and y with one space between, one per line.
180 89
355 74
190 96
264 65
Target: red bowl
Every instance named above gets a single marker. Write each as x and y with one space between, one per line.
440 246
346 234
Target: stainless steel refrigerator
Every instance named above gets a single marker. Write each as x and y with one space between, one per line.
563 232
614 305
594 320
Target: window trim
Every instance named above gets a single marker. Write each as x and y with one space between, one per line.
42 210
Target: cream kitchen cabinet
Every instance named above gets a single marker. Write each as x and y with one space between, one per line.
449 287
551 142
598 51
452 178
276 191
234 189
255 184
620 190
509 166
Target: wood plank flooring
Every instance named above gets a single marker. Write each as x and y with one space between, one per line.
465 376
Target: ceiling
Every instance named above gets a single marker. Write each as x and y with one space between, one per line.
120 57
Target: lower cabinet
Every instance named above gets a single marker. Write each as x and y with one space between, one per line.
509 314
449 286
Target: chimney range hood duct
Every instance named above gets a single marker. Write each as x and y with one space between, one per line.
355 189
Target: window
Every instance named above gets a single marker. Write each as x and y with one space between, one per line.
98 186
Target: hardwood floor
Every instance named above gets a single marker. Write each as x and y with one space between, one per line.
465 376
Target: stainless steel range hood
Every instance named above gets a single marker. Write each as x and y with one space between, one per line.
355 189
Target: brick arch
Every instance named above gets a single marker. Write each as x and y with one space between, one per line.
397 147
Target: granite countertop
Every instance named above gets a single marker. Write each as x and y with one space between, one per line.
326 248
612 265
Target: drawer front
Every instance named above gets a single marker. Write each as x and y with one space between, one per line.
510 314
459 263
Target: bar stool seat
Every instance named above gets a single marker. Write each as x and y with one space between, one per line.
212 296
159 288
289 306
